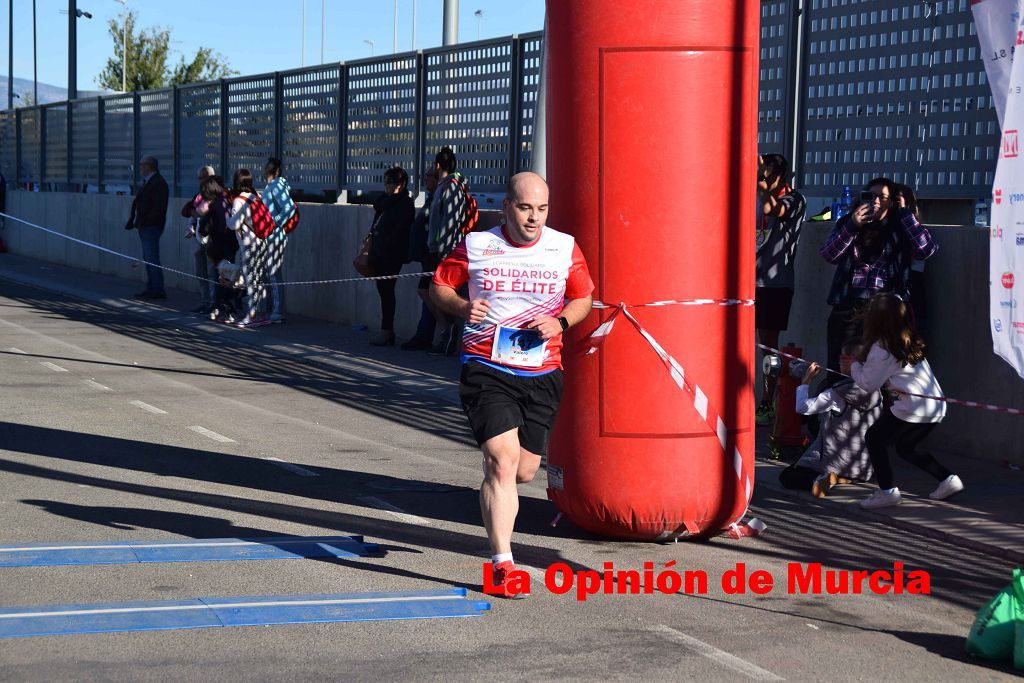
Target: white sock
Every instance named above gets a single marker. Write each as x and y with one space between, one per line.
501 557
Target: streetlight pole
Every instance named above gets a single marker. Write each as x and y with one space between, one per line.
323 23
370 43
479 14
450 35
10 55
35 75
394 46
72 51
413 24
303 58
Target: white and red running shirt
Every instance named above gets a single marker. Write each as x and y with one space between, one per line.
520 282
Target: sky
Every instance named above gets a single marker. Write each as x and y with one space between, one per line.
258 36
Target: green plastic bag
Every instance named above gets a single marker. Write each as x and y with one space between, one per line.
999 626
1018 591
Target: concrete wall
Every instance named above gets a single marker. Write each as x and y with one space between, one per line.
957 332
322 248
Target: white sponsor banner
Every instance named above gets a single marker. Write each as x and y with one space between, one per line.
997 23
1006 245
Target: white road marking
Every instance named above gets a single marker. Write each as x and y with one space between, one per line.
302 422
228 605
148 408
714 654
97 385
211 434
15 350
294 469
53 366
394 511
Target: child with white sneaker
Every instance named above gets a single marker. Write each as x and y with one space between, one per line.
895 359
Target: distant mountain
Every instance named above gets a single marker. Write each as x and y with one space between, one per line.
47 93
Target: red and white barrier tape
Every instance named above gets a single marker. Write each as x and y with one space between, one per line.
136 259
681 302
944 399
701 403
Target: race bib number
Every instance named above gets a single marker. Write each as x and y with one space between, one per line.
522 348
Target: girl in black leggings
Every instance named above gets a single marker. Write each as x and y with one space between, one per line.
895 359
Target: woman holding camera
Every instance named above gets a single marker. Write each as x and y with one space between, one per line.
872 248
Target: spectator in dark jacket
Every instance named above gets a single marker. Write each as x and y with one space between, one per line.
390 245
872 249
221 244
149 215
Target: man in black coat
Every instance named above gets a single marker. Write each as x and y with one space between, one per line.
149 214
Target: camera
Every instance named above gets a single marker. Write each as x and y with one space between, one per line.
798 368
771 366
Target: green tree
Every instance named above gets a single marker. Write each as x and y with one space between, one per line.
148 54
206 65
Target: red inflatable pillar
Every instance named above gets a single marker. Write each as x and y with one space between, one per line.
651 156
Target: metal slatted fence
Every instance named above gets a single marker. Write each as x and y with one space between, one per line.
336 127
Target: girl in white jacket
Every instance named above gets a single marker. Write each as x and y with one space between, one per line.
895 359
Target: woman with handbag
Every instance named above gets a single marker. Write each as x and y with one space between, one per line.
386 247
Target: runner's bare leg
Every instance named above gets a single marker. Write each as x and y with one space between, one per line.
499 498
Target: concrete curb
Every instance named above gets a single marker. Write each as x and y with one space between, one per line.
854 510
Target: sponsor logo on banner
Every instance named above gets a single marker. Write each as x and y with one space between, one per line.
1016 197
1007 280
1011 303
1019 239
997 324
998 196
997 233
1011 145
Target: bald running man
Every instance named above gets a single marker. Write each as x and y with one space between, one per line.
528 284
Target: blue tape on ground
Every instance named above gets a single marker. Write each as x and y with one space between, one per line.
238 611
198 550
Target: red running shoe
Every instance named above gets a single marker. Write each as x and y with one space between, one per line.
501 582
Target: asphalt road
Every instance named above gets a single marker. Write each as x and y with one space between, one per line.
116 428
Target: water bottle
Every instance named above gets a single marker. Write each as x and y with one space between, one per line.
845 203
981 214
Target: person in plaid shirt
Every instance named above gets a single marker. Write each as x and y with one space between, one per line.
872 248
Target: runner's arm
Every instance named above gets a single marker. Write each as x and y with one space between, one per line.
449 301
575 312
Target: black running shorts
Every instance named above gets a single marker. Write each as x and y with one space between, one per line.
497 401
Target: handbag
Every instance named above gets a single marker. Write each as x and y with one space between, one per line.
362 260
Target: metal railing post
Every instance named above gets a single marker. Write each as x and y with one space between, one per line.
41 119
278 115
70 156
101 143
342 171
175 161
420 136
136 137
17 147
515 117
223 127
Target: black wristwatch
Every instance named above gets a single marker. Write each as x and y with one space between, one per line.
564 323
